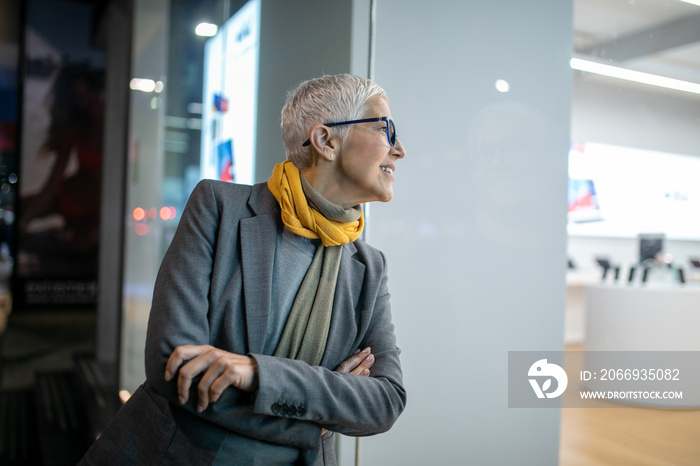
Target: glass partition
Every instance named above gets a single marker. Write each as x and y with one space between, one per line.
180 51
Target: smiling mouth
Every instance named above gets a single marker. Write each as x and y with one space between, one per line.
388 170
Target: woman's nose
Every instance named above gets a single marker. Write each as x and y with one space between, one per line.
399 151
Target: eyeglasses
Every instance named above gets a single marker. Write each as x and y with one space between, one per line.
390 128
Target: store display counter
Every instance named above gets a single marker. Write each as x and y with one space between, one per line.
650 318
642 318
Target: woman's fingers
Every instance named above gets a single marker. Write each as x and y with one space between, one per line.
363 368
226 370
220 370
180 355
353 361
359 363
192 369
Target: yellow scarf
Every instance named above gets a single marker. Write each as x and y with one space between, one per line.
300 218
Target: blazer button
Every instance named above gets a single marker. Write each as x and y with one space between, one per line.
284 409
276 408
292 411
301 411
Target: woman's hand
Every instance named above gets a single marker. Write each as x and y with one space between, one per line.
221 369
359 363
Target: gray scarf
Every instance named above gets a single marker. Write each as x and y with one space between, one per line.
306 330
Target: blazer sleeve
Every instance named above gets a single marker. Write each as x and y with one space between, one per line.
340 402
179 316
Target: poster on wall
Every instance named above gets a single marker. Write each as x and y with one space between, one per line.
230 98
623 192
61 157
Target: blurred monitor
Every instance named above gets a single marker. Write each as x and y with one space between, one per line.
650 244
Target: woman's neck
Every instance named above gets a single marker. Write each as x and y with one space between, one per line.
325 184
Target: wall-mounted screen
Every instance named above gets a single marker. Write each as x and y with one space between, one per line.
622 192
230 98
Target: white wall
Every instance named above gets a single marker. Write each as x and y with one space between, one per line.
475 236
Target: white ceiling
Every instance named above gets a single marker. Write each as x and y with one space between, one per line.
656 36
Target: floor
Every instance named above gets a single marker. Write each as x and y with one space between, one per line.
41 420
626 436
36 341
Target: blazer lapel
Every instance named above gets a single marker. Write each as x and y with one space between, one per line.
258 242
344 322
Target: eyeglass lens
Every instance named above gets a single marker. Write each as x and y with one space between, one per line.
392 132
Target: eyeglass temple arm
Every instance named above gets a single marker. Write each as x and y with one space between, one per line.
365 120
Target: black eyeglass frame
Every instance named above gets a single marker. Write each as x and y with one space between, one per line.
390 128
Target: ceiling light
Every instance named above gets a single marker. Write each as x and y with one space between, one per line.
502 85
636 76
143 85
692 2
206 29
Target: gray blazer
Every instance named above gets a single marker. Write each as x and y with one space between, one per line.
213 288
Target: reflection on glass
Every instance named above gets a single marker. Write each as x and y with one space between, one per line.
167 151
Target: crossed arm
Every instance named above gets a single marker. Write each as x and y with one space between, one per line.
222 369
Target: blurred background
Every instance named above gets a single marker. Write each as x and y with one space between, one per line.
553 158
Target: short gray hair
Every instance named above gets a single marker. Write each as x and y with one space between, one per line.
330 98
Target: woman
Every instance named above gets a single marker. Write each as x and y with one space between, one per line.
266 297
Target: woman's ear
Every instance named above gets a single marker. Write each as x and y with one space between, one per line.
323 142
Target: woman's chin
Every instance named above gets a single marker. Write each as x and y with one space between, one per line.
385 197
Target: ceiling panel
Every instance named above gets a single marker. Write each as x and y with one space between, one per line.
655 36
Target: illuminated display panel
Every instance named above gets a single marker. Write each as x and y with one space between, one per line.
621 192
230 98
